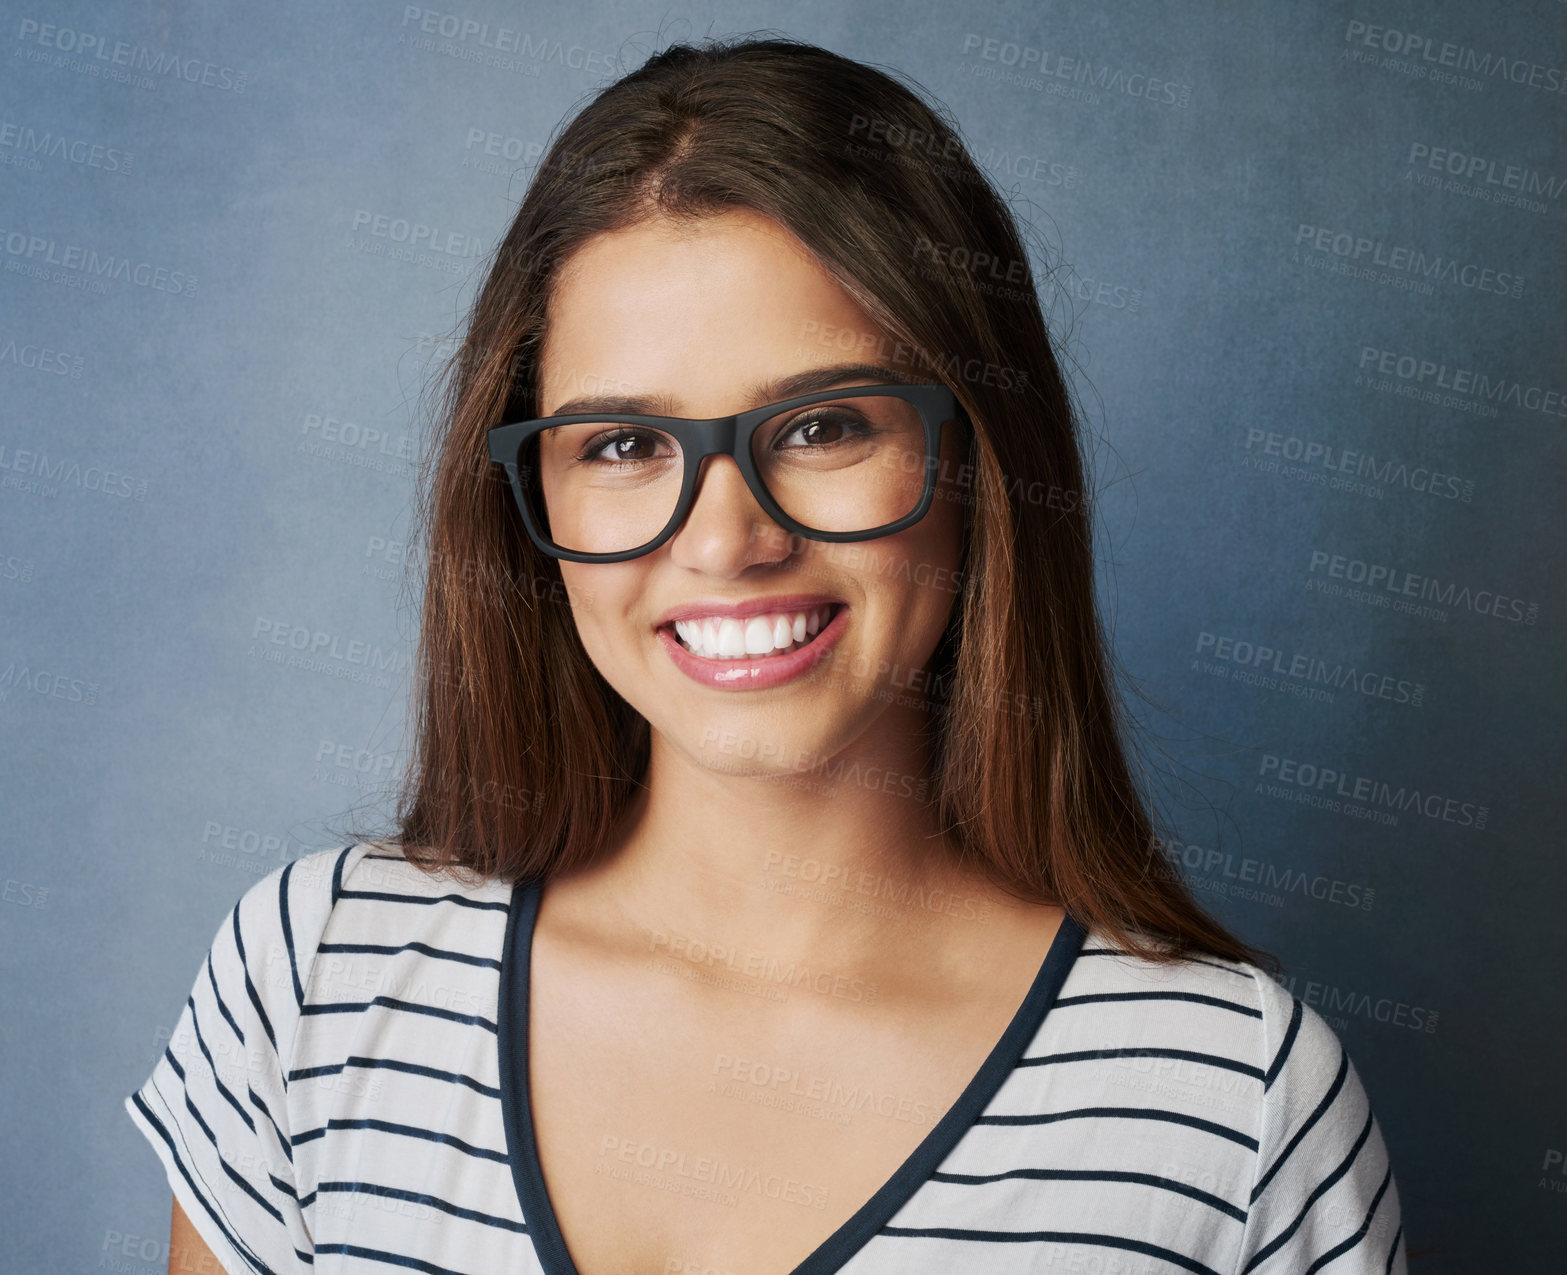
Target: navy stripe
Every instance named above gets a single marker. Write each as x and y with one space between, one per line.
1096 1175
212 980
337 875
1228 969
1189 960
419 1197
1297 1013
1099 998
1365 1226
1145 1051
1398 1236
406 1131
201 1121
1126 1113
234 1176
288 932
217 1219
392 1064
255 1099
250 988
201 1043
1056 1237
386 897
1283 1236
391 1002
1321 1110
384 949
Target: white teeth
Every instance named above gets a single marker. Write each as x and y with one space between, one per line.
726 638
758 636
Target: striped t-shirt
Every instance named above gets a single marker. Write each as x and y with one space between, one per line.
346 1090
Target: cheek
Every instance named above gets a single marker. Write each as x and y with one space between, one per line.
598 610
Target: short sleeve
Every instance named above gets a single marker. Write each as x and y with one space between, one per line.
215 1107
1324 1196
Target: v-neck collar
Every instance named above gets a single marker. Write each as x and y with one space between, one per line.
522 1146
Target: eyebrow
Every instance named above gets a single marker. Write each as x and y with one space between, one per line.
806 382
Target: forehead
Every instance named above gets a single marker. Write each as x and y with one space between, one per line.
695 309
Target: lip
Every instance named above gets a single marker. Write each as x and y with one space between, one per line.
749 607
763 671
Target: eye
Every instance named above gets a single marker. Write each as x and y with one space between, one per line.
640 442
823 428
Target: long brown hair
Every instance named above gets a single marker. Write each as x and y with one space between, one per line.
524 756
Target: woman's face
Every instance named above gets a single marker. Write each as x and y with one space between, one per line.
699 315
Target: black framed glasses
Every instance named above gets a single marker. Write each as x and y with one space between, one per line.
836 465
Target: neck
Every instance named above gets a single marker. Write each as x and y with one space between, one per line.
835 864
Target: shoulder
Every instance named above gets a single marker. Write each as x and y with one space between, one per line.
267 945
401 940
281 917
1223 1041
1205 992
259 961
377 883
1211 1002
361 897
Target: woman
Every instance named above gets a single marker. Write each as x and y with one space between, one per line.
771 891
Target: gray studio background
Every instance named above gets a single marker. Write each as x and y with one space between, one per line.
1308 260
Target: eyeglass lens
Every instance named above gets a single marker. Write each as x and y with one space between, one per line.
846 465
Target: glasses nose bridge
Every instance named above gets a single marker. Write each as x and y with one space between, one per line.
711 440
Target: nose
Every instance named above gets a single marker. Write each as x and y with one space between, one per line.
727 528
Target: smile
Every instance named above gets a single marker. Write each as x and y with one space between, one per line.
718 637
757 652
